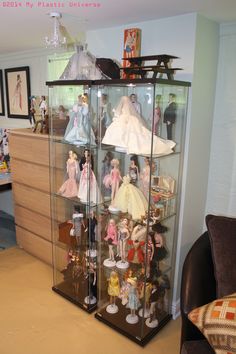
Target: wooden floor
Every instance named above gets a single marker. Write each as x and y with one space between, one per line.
36 320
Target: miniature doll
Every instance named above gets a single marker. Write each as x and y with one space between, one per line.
113 292
170 115
88 188
92 229
76 275
150 253
104 114
86 153
160 251
145 176
136 104
111 239
91 299
43 107
61 112
129 134
123 235
133 301
135 253
157 116
69 188
152 322
78 222
145 289
130 199
105 174
115 178
32 110
134 170
78 131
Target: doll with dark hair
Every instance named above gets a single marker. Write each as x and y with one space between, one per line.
170 115
160 251
134 170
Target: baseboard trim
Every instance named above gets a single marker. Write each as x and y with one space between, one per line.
175 309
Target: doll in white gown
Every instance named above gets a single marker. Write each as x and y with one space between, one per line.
129 134
130 199
78 131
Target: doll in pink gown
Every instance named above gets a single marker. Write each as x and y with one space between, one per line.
69 188
114 179
88 188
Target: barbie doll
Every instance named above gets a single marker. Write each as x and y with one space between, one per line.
69 188
88 188
135 253
134 170
145 293
113 292
104 114
133 301
129 134
157 116
111 239
160 251
123 235
170 115
152 321
145 176
92 229
130 199
106 170
78 131
91 299
136 104
78 222
114 181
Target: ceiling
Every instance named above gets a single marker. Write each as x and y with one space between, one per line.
25 25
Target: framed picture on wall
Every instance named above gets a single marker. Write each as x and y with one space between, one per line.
18 92
2 109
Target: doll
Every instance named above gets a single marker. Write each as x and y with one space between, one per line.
134 170
78 222
135 253
136 104
92 228
150 253
43 107
133 301
91 299
106 179
160 251
145 293
86 153
130 199
129 134
115 178
32 110
113 292
88 188
152 321
61 112
69 188
76 275
123 235
111 239
78 131
145 176
104 114
170 115
157 116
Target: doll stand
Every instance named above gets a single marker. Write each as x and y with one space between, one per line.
109 263
112 308
90 300
122 264
144 312
151 324
131 319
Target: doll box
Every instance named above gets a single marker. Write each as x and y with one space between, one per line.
132 47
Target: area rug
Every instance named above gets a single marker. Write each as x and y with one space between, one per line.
7 231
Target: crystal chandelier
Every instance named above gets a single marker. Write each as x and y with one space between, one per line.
56 39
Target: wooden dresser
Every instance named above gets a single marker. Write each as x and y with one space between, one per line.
31 192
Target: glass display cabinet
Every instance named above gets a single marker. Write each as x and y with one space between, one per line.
116 179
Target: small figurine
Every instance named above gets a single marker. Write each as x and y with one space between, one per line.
113 292
145 293
145 176
160 251
170 114
106 175
115 179
157 115
133 301
136 104
150 253
76 275
82 161
105 116
69 189
111 239
78 222
61 112
123 235
152 321
130 199
134 170
92 229
88 188
32 110
91 299
43 107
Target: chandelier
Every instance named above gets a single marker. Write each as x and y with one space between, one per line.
56 39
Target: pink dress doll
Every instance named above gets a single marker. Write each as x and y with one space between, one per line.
111 239
69 188
88 188
115 178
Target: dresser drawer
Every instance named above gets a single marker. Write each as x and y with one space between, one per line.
35 176
27 146
34 222
32 199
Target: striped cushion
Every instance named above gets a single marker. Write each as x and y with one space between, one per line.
217 321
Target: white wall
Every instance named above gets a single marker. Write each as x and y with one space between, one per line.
221 197
198 135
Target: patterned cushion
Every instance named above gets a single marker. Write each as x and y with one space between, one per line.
217 321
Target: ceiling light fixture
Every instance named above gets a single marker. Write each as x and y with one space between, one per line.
56 39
